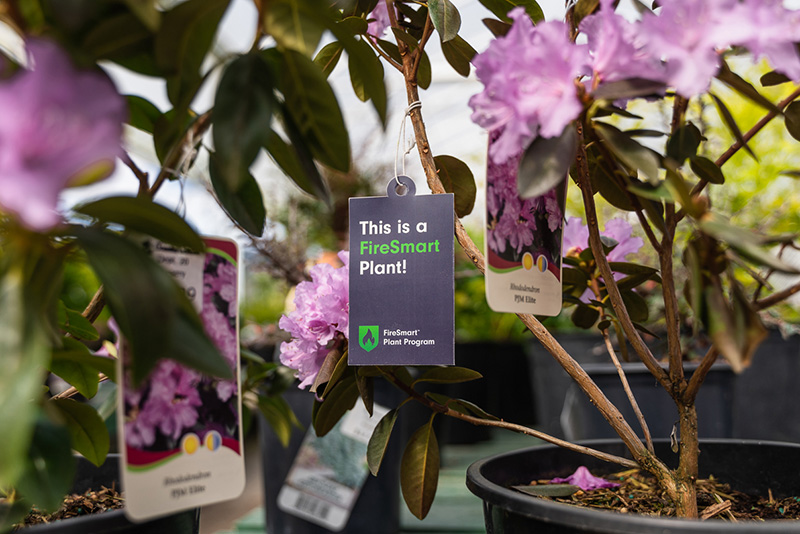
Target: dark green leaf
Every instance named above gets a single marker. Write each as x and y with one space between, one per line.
445 17
500 8
168 131
636 306
791 173
792 119
294 24
607 184
458 54
584 316
574 277
355 25
186 34
628 88
82 377
296 161
75 324
142 114
730 122
146 11
419 470
631 268
311 103
379 440
644 132
632 281
608 110
774 78
448 375
189 345
474 408
391 50
658 193
327 58
546 162
77 352
12 513
684 142
630 152
338 372
457 178
743 87
548 490
118 36
425 72
245 205
366 390
326 369
142 215
88 432
497 27
243 107
707 170
24 350
341 399
279 415
49 468
584 8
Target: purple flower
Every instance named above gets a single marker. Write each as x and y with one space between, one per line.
321 312
576 236
58 127
379 19
585 480
529 84
616 49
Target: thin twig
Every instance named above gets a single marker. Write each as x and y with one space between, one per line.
139 173
699 375
384 55
72 390
775 298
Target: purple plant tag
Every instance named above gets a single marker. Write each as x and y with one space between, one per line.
401 278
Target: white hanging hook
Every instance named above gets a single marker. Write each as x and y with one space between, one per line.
414 105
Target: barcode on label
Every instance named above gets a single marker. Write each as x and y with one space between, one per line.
312 505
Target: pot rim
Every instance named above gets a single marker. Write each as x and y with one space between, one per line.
606 520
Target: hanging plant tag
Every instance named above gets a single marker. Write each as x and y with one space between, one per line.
523 243
328 472
180 431
401 278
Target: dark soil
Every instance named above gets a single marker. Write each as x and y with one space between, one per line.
639 494
91 502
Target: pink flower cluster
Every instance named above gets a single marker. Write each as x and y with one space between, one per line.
58 127
321 313
530 74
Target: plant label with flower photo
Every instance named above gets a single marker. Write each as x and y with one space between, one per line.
181 431
328 472
523 241
401 278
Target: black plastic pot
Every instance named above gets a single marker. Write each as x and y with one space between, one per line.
90 477
377 509
749 466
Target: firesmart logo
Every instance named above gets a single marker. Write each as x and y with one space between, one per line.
368 337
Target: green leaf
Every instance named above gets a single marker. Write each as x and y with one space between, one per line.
459 54
631 268
82 377
327 58
391 50
707 170
632 154
311 103
457 178
633 280
575 277
546 162
744 88
118 36
142 215
146 11
584 8
49 467
683 144
774 78
366 390
497 27
379 440
341 399
24 350
584 316
294 25
448 375
189 345
75 324
279 415
142 113
792 119
606 183
636 306
358 72
419 470
730 122
245 205
326 369
445 17
242 116
629 88
500 8
168 131
88 432
338 372
425 72
658 193
296 161
474 408
76 352
12 512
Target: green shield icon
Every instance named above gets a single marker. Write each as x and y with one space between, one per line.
368 337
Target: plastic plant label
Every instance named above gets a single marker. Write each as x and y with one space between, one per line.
523 244
401 278
328 472
180 431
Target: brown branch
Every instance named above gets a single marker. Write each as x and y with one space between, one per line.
427 31
139 173
671 310
634 404
777 297
699 375
384 55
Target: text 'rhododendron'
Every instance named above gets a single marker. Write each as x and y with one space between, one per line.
58 127
321 311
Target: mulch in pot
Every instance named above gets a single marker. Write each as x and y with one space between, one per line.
91 502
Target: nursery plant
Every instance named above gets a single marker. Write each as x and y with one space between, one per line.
556 96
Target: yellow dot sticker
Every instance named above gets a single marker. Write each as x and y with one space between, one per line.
527 261
541 264
190 443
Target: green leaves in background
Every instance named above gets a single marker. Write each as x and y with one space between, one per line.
295 24
142 215
501 8
279 415
379 440
245 204
49 467
419 470
445 17
730 122
546 162
87 430
792 119
683 144
457 178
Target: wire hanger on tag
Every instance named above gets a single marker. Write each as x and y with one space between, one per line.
402 137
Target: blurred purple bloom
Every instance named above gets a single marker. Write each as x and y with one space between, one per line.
585 480
616 50
380 19
576 236
529 84
321 311
58 126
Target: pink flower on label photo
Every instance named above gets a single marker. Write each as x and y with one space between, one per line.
58 127
584 479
